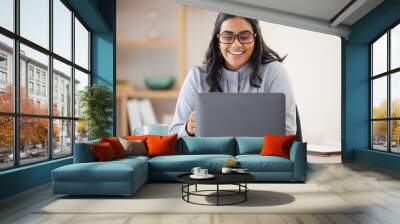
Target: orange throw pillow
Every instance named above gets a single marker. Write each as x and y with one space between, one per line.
277 145
103 152
136 137
161 145
116 145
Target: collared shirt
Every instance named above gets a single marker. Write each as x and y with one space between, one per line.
274 80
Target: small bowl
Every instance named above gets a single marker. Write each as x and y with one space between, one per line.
159 82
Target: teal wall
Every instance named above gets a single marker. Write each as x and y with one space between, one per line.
24 178
100 17
355 87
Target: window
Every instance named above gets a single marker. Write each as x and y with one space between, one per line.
30 72
7 14
35 21
81 45
6 73
62 29
3 72
3 61
44 91
62 74
45 131
3 78
385 91
37 74
30 87
38 89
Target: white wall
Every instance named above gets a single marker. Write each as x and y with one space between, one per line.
313 64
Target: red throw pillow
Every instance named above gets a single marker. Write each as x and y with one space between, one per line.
277 145
161 145
116 145
103 151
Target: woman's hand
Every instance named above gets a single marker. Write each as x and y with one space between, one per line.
191 124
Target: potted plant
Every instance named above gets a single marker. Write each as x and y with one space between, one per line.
96 104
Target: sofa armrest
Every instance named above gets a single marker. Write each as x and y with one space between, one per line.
83 152
298 155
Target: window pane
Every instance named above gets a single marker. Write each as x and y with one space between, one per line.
379 135
6 142
35 21
81 131
395 47
62 89
62 138
6 74
33 140
34 78
81 45
395 136
7 14
379 100
81 81
395 94
379 55
62 29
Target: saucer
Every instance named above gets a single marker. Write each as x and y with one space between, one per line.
208 176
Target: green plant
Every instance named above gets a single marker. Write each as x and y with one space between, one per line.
96 103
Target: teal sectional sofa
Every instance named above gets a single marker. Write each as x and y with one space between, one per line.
125 176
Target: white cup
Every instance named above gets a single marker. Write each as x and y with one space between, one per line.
151 129
226 170
196 171
203 172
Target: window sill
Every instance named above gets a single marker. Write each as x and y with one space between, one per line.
26 167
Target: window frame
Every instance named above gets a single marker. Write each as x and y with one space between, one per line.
16 115
388 74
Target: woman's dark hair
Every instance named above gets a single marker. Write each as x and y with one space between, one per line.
214 61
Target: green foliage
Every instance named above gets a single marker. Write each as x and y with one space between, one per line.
96 103
380 127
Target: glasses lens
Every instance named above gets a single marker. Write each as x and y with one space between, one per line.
226 38
246 38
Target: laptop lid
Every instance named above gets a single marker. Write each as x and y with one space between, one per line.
240 114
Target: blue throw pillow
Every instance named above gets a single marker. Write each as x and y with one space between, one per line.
249 145
206 145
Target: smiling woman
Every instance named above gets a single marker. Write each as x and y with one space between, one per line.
237 60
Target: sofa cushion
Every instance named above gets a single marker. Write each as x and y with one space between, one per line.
185 163
161 145
116 145
249 145
134 147
257 163
103 152
206 145
83 152
277 145
112 171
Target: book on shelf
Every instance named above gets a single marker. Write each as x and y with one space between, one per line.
147 112
140 112
134 115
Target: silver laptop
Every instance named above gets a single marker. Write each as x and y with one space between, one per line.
240 114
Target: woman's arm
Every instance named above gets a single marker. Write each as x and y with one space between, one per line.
278 82
184 105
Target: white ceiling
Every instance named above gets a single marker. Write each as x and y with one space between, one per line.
315 15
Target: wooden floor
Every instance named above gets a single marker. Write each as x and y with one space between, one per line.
377 188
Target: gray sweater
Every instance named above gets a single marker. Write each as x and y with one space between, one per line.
274 80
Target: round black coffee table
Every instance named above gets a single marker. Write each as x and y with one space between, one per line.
238 179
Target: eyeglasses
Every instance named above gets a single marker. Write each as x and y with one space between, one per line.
229 38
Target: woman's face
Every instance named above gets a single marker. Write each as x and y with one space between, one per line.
236 54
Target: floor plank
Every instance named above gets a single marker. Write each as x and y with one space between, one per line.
377 190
